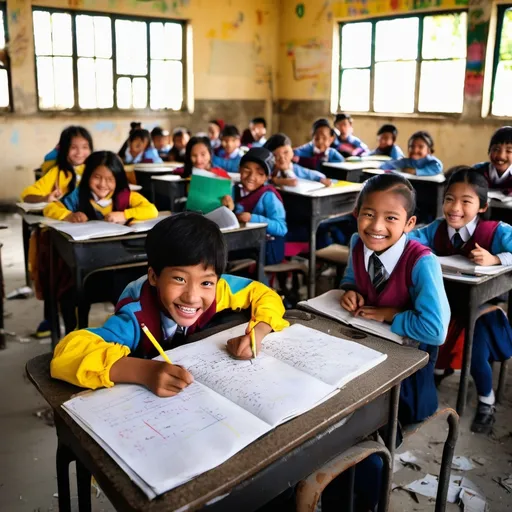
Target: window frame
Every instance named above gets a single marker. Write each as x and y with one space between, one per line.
502 8
9 108
374 20
113 17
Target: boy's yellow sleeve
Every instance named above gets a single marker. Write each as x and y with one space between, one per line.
84 359
235 292
56 210
43 186
140 208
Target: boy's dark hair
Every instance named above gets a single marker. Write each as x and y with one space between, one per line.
259 120
219 122
230 130
184 240
468 175
341 116
66 138
394 183
502 135
180 130
425 137
187 166
158 131
388 128
320 123
140 133
276 141
94 160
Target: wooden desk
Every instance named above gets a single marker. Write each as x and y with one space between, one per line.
313 208
265 468
87 256
465 297
166 191
29 222
144 173
349 171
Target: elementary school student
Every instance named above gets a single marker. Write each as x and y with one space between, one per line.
464 231
134 125
421 160
183 291
386 139
228 155
319 150
161 142
498 171
254 136
180 138
286 172
215 127
140 150
255 201
346 142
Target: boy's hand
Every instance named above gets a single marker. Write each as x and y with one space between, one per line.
54 195
240 347
480 256
409 170
285 182
326 181
168 379
228 202
76 217
244 217
116 217
352 301
378 314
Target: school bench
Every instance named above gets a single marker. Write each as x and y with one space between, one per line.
264 469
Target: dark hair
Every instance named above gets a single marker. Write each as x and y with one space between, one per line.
425 137
94 160
140 133
320 123
388 128
66 138
230 130
259 120
219 122
158 131
276 141
502 135
180 130
341 116
468 175
186 239
394 183
187 166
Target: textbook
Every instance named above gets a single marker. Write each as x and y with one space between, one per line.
498 195
206 191
328 304
162 443
461 265
32 207
224 218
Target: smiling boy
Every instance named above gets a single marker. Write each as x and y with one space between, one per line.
181 294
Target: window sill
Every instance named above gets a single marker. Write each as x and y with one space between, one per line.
426 115
107 113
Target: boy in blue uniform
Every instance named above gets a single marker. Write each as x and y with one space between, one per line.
346 142
181 294
140 150
160 138
228 155
386 137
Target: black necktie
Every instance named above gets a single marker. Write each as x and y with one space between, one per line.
379 278
179 336
457 241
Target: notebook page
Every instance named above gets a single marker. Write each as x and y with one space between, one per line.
499 196
333 360
167 441
224 218
265 386
90 229
304 186
146 225
461 265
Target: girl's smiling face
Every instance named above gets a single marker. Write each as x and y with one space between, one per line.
418 148
200 156
79 150
501 157
461 205
102 182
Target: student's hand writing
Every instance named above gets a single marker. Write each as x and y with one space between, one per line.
54 195
76 217
352 301
116 217
326 181
378 314
480 256
244 217
167 379
240 347
228 202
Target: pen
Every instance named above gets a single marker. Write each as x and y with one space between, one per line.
155 343
253 343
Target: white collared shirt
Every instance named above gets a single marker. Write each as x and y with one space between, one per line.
101 202
465 232
495 177
389 258
169 327
288 173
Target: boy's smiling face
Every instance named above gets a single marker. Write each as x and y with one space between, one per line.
322 138
252 176
185 293
501 157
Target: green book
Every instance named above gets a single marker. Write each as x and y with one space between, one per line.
206 191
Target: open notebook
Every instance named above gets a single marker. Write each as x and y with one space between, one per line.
461 265
328 304
224 218
164 442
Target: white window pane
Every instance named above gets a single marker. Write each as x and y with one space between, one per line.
396 39
61 34
502 104
102 37
166 85
157 46
85 36
173 41
104 83
356 45
45 85
442 86
131 47
444 36
63 79
124 92
140 92
4 89
2 34
394 86
86 84
355 90
506 36
42 32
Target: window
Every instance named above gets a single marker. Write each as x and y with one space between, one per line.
89 61
501 102
4 72
404 65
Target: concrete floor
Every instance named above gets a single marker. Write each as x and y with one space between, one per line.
27 444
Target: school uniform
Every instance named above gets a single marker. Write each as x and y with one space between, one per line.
257 143
394 152
228 162
351 146
149 156
85 357
297 171
494 180
55 177
412 281
215 143
427 166
164 153
312 158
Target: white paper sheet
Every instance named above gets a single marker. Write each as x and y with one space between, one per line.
32 207
461 265
224 218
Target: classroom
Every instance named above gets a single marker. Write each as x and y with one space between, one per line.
294 217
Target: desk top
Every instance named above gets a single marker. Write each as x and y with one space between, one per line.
400 363
465 278
354 166
170 177
326 191
495 203
437 178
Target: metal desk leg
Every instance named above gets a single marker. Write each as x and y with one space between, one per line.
468 349
261 261
314 223
25 228
83 482
64 457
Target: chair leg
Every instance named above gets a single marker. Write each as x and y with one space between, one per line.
502 381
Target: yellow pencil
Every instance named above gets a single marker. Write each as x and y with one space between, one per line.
155 343
253 342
